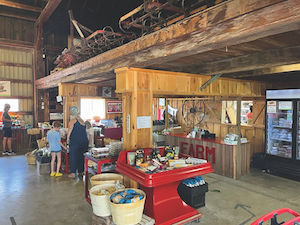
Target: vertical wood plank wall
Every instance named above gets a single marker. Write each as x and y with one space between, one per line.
16 29
72 94
16 66
255 133
164 83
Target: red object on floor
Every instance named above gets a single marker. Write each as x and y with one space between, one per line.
65 155
162 200
272 216
86 171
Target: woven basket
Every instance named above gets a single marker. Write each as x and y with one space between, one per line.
106 178
41 143
33 131
30 158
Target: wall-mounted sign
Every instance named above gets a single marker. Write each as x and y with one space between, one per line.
5 88
161 102
143 122
285 105
271 107
114 107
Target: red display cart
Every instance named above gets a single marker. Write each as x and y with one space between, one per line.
99 162
162 200
273 217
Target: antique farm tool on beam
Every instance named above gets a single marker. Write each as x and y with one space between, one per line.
91 44
155 14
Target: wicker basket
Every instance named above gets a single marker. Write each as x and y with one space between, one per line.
34 131
130 213
30 158
106 178
41 143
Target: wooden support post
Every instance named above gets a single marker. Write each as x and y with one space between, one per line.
46 106
137 109
237 149
166 114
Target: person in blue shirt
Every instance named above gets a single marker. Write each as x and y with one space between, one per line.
55 145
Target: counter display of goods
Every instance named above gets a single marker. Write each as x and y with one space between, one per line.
225 159
159 173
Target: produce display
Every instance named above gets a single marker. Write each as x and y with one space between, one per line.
127 196
155 162
43 155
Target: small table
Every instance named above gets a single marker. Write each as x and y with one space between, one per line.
99 162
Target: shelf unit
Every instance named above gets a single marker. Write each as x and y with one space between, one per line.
282 127
277 139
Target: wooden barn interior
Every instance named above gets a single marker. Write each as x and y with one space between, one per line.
212 82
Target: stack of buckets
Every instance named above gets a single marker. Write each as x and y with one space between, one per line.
122 214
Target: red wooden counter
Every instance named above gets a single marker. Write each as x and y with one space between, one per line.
162 200
19 139
226 160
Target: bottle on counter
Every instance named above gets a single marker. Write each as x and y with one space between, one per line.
139 157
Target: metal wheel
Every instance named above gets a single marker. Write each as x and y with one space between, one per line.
193 112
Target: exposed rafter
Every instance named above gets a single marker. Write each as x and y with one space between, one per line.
28 18
259 60
47 11
232 23
20 6
273 70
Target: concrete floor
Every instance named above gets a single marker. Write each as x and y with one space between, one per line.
30 199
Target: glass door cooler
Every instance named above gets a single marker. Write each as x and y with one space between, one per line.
283 132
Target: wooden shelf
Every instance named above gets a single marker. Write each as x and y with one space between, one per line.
18 97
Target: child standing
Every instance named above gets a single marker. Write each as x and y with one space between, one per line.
55 146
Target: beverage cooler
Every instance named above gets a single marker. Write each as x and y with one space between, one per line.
283 132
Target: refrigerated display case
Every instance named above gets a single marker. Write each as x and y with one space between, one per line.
283 132
298 132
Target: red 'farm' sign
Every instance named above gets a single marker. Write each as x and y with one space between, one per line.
199 151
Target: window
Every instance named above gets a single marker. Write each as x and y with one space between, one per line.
229 112
91 107
14 104
246 112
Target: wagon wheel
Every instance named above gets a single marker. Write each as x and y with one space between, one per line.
109 33
193 112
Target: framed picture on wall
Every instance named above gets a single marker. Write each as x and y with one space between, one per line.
114 107
5 88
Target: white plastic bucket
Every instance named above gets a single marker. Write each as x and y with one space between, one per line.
129 213
100 203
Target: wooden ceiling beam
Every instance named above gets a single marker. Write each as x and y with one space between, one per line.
231 23
28 18
20 6
267 71
47 12
259 60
